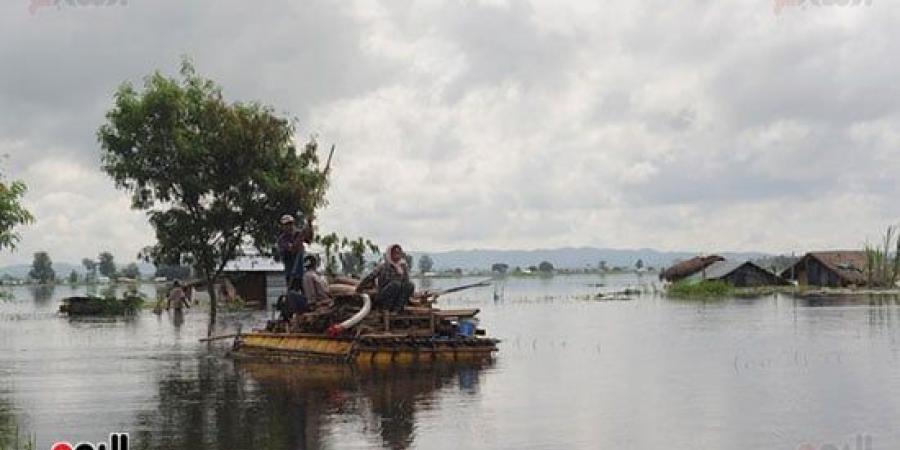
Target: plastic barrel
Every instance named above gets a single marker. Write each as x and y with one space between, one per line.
467 328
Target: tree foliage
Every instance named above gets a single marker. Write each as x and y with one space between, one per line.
173 272
106 264
212 176
426 263
545 266
131 271
12 213
354 259
500 268
42 268
73 277
90 269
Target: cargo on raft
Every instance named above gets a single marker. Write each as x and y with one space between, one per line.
352 332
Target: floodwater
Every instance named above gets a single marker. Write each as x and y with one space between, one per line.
572 372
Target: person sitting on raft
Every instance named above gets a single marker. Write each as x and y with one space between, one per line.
314 287
292 303
391 279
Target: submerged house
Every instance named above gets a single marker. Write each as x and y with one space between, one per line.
841 268
258 280
687 268
738 274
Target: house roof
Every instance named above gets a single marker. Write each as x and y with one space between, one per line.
721 269
254 264
687 268
850 265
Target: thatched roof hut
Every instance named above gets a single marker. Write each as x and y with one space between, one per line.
838 268
687 268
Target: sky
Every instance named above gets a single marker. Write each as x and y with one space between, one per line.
768 125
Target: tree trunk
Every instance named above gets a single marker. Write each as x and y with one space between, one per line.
211 289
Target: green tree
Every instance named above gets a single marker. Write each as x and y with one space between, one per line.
212 176
426 264
354 260
73 277
500 268
331 243
545 266
639 264
106 264
12 213
42 268
131 271
90 269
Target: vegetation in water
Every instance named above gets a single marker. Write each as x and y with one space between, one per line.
107 305
702 289
883 260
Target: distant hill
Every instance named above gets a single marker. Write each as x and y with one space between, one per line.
63 269
568 258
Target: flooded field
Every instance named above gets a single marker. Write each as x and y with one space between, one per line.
572 372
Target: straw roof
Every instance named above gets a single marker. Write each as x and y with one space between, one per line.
687 268
849 265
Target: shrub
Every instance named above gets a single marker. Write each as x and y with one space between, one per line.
702 289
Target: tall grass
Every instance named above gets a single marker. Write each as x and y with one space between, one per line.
702 289
883 261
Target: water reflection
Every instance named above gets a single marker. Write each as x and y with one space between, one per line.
252 405
42 294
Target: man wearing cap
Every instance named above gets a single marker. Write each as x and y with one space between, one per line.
290 244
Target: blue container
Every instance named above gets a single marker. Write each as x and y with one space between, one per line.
467 328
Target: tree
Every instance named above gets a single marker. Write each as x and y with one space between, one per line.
131 271
90 268
106 264
331 243
354 261
500 268
42 268
426 264
602 266
173 272
639 264
12 213
73 277
212 176
545 266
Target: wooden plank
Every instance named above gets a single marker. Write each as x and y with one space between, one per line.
457 312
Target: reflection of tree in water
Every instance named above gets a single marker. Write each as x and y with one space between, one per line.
42 294
246 405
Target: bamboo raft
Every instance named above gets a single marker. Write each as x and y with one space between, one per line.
419 335
380 349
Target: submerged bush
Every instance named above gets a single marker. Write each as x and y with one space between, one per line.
102 306
702 289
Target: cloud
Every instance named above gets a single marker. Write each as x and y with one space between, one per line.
493 123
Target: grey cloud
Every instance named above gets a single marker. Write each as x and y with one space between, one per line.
596 126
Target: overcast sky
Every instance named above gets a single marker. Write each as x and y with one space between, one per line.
689 125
